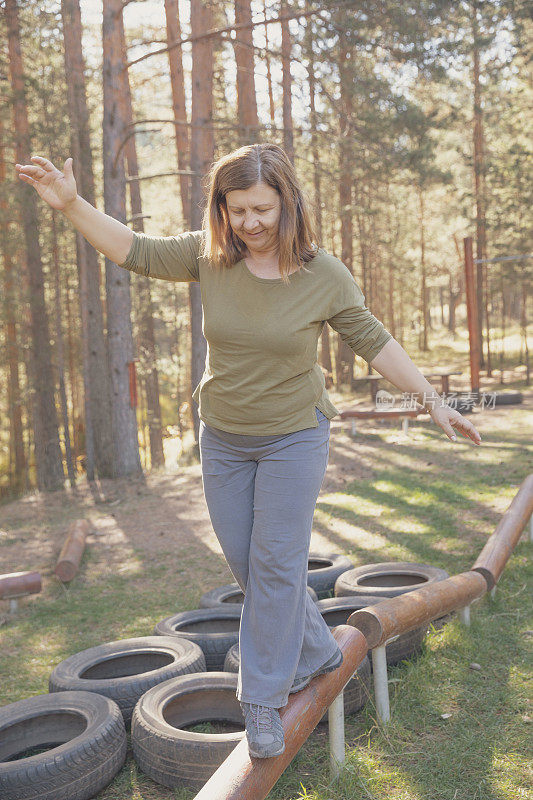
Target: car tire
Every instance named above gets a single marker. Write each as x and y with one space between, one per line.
171 755
232 594
387 579
336 610
324 569
213 629
86 746
390 579
508 398
124 670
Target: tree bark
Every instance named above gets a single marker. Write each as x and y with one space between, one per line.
60 352
423 289
288 140
243 46
202 154
17 458
269 70
147 344
49 464
96 378
177 83
479 179
345 358
325 352
119 332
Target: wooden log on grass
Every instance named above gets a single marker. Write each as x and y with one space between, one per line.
18 584
70 557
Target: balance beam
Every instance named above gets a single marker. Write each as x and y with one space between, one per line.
241 777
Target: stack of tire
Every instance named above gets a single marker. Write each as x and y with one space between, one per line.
69 744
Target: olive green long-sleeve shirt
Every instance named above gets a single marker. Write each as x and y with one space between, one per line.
261 374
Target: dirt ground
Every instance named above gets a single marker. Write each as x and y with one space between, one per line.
157 518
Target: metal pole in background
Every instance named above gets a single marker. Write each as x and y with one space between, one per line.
337 751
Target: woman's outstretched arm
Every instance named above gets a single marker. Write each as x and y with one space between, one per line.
58 189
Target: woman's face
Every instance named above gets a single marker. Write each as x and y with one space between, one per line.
254 215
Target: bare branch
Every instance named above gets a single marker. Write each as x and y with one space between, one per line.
132 178
241 26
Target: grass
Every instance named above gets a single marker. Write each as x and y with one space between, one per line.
423 500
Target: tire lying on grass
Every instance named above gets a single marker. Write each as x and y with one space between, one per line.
336 611
324 569
126 669
213 629
65 746
508 398
231 593
356 691
163 747
390 579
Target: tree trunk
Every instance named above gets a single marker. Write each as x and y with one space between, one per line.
268 69
523 326
243 46
72 360
60 354
325 352
423 344
119 332
502 351
286 82
96 378
17 458
49 464
202 154
147 345
345 359
479 179
177 83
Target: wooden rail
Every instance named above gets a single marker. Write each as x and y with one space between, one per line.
494 556
396 615
242 778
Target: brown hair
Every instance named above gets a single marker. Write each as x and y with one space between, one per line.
241 169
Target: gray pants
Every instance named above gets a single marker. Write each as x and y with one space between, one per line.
261 493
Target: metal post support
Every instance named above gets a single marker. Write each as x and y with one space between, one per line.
337 753
13 605
493 593
381 686
405 424
464 615
353 427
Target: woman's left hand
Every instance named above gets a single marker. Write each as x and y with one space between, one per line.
448 419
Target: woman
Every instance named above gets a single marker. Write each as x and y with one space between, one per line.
267 290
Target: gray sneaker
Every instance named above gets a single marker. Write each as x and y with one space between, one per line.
331 664
264 730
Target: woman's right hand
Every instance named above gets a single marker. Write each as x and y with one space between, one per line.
57 188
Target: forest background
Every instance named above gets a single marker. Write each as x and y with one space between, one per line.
408 124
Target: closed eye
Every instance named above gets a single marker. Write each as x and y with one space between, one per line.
240 210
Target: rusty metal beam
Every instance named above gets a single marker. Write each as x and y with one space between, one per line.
500 545
239 777
401 614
